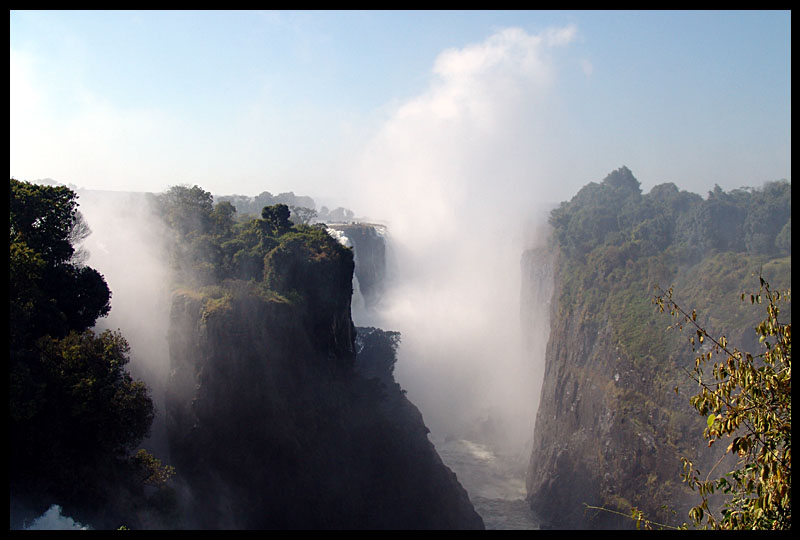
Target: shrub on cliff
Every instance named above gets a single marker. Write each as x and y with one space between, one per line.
748 399
376 351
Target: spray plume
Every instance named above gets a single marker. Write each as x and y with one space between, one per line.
126 245
457 173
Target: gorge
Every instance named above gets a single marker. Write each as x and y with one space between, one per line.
280 356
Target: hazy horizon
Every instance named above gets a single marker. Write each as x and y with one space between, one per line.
244 102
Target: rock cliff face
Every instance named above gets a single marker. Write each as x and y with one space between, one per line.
535 297
600 429
611 428
270 425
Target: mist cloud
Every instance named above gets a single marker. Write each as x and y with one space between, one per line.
457 172
127 246
52 520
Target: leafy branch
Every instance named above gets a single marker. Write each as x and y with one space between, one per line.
749 399
642 522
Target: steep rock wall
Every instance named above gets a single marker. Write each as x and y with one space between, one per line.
535 297
615 416
600 429
270 430
610 429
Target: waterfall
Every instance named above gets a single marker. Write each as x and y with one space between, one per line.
358 306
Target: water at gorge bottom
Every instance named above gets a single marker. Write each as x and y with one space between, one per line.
495 484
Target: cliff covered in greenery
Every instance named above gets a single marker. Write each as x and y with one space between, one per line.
280 414
611 429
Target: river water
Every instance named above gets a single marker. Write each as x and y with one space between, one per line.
495 484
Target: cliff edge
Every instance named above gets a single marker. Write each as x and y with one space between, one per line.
272 426
614 417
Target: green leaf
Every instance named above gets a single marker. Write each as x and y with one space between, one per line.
710 420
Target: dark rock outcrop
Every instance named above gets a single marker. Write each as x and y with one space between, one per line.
271 427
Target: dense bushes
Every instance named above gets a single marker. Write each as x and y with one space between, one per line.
210 244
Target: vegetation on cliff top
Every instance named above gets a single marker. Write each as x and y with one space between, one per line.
290 419
210 245
219 257
618 243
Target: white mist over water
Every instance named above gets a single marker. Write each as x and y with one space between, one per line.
52 520
457 174
127 247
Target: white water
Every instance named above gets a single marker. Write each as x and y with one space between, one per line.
495 484
358 307
52 520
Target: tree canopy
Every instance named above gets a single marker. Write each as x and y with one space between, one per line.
210 244
75 412
615 212
50 293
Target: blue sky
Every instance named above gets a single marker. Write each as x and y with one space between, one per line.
323 103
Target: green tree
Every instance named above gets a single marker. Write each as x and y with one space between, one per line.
43 218
187 210
90 405
223 218
190 215
770 211
75 412
276 219
746 398
50 293
784 239
376 353
302 215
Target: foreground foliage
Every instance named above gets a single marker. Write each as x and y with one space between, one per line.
746 398
51 293
76 414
